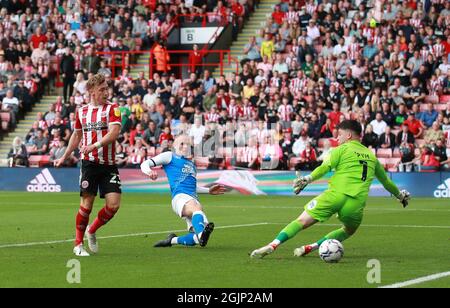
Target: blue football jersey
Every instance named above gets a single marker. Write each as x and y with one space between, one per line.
182 175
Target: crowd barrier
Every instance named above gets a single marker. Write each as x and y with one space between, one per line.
32 180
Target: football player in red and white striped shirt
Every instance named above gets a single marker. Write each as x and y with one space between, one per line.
97 125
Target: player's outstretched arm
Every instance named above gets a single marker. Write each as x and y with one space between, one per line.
159 160
216 189
74 142
329 163
403 196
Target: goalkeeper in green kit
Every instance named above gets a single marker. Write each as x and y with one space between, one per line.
355 167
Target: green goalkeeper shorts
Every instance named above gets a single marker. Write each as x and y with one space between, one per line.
350 210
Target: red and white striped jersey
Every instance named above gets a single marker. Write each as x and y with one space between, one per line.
234 111
94 122
212 117
291 17
434 86
424 54
377 40
298 85
438 50
353 50
311 8
368 32
154 25
285 112
78 59
416 22
247 112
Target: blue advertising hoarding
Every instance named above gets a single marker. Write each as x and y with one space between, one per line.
436 184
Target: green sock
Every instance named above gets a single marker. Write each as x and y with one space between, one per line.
289 231
338 234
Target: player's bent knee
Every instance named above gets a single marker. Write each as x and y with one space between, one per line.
191 207
350 230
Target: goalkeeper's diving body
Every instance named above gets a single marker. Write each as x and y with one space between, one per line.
355 168
182 176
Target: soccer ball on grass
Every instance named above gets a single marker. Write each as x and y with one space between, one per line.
331 251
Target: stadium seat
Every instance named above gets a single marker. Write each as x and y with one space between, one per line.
391 164
383 161
444 99
384 153
434 99
202 163
5 118
441 107
34 160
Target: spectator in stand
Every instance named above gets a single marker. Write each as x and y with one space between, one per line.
433 134
270 154
247 157
39 144
370 139
405 136
415 126
427 161
195 61
407 157
308 158
387 139
80 84
379 126
267 46
91 62
18 155
429 116
11 104
162 57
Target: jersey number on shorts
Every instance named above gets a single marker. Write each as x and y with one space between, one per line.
115 179
364 172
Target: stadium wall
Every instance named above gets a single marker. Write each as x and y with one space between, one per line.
435 184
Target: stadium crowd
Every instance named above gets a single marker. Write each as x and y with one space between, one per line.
315 63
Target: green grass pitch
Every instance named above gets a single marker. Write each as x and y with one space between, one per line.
409 243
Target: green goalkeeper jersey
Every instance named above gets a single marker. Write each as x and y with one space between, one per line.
355 167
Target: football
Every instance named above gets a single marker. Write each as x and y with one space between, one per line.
331 251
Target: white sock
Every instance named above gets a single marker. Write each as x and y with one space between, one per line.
174 241
275 243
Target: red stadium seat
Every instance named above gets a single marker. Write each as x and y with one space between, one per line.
441 107
384 153
34 160
444 99
434 99
383 161
202 163
391 164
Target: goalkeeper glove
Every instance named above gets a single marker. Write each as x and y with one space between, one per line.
404 197
301 182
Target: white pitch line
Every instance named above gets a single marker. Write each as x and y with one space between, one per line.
416 281
125 235
374 226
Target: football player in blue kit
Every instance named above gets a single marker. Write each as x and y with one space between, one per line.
182 175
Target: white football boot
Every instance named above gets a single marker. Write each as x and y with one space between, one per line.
79 251
92 241
262 252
